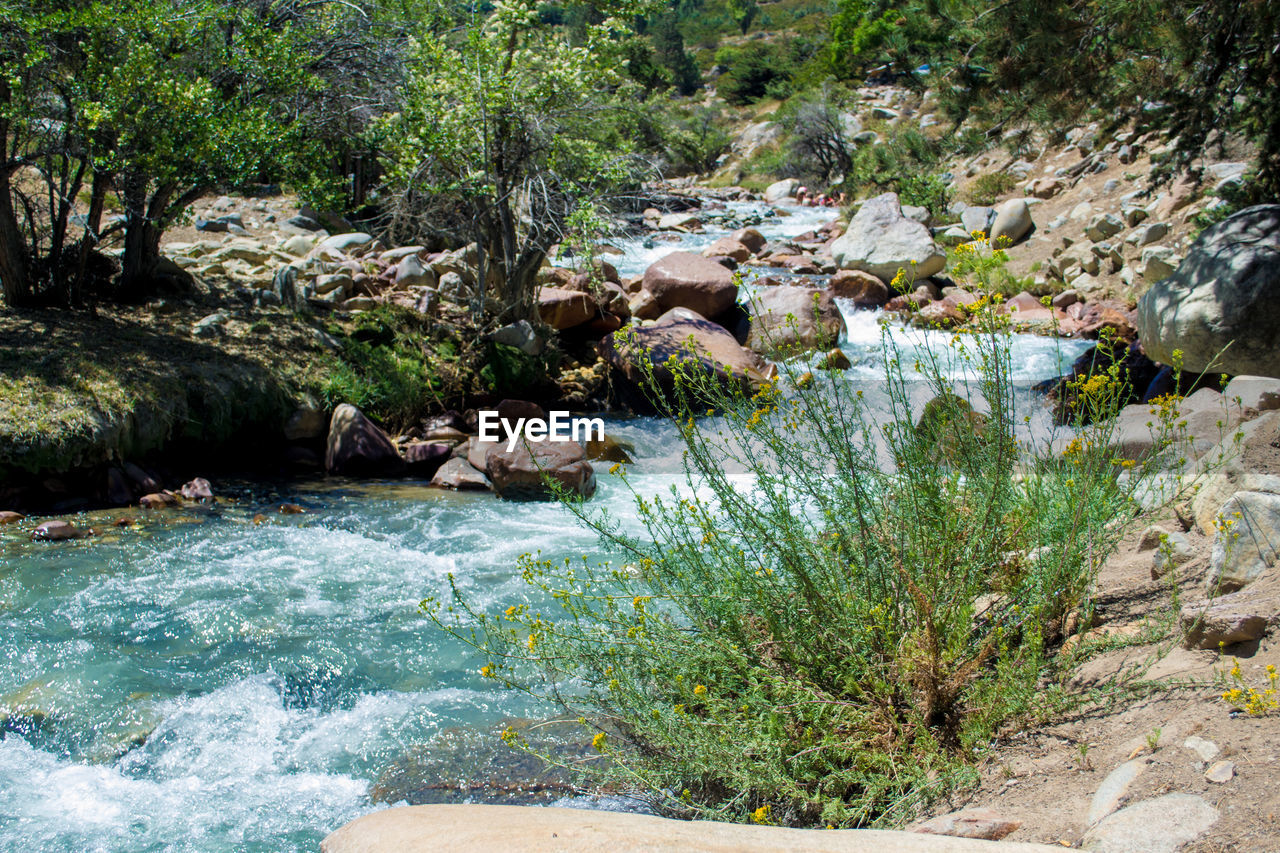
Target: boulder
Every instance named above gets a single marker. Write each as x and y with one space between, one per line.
424 458
1246 544
1158 825
521 473
198 489
793 319
519 335
58 531
10 517
160 500
563 309
459 475
679 221
1236 466
729 248
1012 223
1103 226
357 447
1254 392
880 240
863 288
977 219
344 242
689 339
1225 292
487 828
686 280
412 272
941 314
781 190
749 237
1238 617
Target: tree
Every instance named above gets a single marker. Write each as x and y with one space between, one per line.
507 127
743 13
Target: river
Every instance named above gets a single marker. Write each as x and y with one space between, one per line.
278 669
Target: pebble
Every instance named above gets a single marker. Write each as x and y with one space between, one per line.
1220 772
1206 749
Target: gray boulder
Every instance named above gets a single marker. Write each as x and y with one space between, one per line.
1224 293
781 190
790 319
1013 221
357 447
881 240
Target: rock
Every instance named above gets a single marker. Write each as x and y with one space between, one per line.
1103 226
118 491
489 828
691 339
10 517
305 424
1148 234
210 326
198 489
344 242
357 447
143 481
563 309
1254 392
954 236
520 335
781 190
1065 300
1223 293
880 240
58 531
518 474
1012 223
835 359
399 253
644 306
1158 262
359 303
159 500
1174 550
863 288
458 474
1114 790
942 314
749 237
1045 187
1238 617
1208 421
339 282
297 245
681 221
977 218
1207 750
609 449
1247 542
728 247
424 458
686 280
1158 825
970 823
1220 772
412 272
793 319
1236 466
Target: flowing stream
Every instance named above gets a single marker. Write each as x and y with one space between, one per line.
272 672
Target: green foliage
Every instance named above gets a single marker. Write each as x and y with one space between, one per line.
505 128
897 163
760 69
386 369
925 190
689 137
839 607
987 189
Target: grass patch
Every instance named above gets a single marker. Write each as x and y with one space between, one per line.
985 190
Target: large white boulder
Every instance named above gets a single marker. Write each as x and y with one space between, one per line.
881 240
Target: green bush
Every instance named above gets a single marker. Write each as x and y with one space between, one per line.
987 189
842 606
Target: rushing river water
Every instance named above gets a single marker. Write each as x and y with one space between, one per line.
276 670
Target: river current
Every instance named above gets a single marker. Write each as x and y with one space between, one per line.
277 670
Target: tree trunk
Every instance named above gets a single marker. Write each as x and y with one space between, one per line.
92 228
14 258
141 241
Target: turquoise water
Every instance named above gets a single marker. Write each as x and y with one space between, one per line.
278 669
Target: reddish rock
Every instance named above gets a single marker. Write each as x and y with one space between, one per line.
561 308
1107 313
459 475
522 472
970 823
290 509
10 517
728 247
197 490
58 531
792 319
1023 302
863 288
645 306
749 237
942 314
159 500
686 280
357 447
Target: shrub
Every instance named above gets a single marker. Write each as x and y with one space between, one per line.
987 189
841 606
